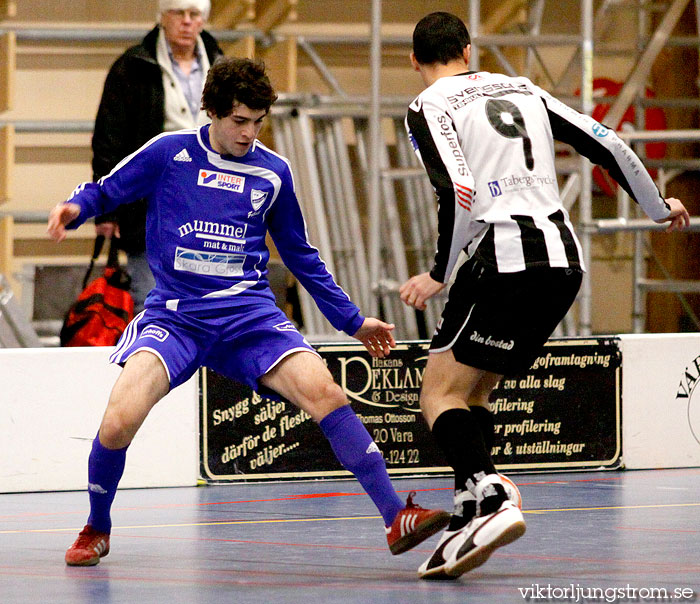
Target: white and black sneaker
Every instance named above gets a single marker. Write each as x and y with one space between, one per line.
460 551
482 536
434 567
465 502
463 549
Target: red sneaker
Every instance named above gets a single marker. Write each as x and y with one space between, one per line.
89 547
414 524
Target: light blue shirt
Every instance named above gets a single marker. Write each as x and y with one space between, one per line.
192 84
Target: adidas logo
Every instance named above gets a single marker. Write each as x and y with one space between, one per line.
373 448
96 488
182 156
100 547
408 523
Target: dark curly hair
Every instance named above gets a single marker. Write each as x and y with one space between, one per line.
439 38
231 81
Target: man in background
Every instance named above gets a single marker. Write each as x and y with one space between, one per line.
155 86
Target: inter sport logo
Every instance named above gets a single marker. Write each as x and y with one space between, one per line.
221 180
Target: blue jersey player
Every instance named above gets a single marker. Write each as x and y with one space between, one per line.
213 195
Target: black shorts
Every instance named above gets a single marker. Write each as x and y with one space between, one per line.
500 321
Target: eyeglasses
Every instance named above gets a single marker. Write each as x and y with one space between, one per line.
193 14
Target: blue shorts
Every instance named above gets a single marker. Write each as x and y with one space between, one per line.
241 343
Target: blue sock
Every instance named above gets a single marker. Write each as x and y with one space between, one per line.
105 469
355 449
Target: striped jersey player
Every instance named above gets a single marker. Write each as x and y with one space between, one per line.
486 141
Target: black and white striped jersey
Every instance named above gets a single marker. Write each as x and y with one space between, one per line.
486 142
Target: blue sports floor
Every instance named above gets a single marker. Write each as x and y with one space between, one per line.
631 536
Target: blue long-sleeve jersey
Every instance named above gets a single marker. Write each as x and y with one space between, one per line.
207 219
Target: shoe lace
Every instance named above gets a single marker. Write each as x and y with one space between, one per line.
409 502
85 537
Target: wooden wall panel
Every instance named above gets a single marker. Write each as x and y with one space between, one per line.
7 161
8 65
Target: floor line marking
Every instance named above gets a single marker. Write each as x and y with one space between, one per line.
298 497
617 507
280 520
190 524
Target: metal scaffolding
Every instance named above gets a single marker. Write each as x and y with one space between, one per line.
368 204
328 143
577 184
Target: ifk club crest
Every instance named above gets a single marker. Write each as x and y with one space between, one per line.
686 394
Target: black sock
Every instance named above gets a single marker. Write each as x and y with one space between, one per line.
465 511
484 418
458 434
492 502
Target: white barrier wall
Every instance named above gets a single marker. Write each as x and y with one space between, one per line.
660 410
51 404
52 401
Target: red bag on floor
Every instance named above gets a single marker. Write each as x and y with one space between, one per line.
104 308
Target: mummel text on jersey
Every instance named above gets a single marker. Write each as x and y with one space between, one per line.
208 216
486 141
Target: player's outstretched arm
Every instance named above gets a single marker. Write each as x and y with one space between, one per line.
679 217
62 215
418 289
376 336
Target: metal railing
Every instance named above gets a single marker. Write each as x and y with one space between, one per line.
381 180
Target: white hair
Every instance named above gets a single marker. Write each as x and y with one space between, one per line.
203 6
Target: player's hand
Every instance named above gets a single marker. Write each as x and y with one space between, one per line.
679 217
107 229
418 289
59 217
376 336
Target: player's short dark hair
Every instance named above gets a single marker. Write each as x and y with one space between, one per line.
231 81
439 38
